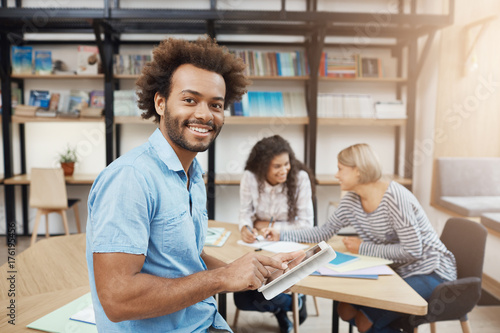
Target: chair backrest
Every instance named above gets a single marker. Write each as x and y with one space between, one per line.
466 240
48 189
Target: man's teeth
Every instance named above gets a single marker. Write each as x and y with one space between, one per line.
197 129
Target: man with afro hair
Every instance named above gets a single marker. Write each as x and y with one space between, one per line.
147 217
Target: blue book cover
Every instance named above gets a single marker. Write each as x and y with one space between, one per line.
245 105
39 98
43 62
22 59
237 108
342 259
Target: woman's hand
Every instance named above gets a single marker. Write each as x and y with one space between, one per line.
352 244
259 225
247 236
271 234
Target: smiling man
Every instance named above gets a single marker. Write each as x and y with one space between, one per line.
147 218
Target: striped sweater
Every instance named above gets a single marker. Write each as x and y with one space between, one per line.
398 230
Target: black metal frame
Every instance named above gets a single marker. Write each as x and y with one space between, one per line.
312 25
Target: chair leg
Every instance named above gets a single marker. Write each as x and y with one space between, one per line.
77 218
236 315
315 305
47 233
295 309
35 227
433 327
65 221
465 326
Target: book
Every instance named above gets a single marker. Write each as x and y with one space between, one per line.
25 110
41 112
342 259
87 59
78 99
54 101
60 320
125 103
216 236
43 62
39 98
96 99
22 59
91 112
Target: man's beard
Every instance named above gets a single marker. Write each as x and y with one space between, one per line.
175 129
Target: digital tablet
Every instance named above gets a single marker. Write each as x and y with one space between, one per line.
315 257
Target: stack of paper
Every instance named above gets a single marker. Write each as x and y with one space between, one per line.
356 266
275 247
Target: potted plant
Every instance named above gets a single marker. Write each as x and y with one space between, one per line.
67 159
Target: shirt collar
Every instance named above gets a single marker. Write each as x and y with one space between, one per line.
268 188
168 156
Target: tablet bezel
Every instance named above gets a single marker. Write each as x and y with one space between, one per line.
323 248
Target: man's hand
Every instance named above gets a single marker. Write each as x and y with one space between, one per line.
250 271
352 244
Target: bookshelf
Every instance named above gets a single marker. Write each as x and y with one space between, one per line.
308 24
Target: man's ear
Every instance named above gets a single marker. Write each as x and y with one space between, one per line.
160 104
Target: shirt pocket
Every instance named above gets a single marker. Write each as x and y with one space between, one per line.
179 237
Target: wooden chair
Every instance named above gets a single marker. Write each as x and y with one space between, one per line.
48 195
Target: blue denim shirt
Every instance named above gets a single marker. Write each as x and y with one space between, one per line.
140 205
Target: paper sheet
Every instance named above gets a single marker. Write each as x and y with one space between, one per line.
364 262
58 320
275 247
86 315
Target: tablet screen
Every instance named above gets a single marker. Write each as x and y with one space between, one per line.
295 262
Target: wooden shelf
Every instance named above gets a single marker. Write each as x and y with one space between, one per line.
286 78
361 122
133 120
76 179
253 77
126 76
57 77
366 79
331 180
22 120
239 120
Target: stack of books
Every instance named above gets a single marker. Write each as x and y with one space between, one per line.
271 104
349 66
345 106
390 110
263 63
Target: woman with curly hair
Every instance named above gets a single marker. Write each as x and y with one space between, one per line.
276 189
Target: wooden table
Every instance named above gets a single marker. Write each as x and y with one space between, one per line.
389 292
76 179
47 275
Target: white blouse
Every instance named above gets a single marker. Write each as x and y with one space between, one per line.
272 202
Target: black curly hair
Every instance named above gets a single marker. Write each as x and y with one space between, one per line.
203 53
260 158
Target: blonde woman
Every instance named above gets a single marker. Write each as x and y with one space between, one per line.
390 223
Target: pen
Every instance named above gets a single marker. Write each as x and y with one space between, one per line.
271 223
